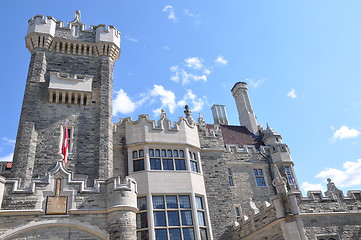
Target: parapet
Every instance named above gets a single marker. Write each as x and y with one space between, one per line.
51 34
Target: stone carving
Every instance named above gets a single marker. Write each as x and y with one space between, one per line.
56 204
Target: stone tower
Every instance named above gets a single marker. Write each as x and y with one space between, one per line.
246 115
70 80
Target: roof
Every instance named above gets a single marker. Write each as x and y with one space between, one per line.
240 136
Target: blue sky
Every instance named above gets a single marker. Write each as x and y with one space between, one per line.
301 60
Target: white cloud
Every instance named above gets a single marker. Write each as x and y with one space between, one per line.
348 177
306 186
345 133
170 10
166 48
167 97
122 103
220 60
190 97
194 62
292 94
130 38
255 84
194 16
8 140
7 158
181 75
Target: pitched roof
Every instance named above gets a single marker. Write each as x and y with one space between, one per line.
240 136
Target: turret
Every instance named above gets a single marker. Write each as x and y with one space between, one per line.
247 117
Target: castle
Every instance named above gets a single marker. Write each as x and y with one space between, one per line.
147 179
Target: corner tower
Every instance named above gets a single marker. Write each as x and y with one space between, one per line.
70 80
246 115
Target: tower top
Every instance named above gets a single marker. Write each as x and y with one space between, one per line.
51 34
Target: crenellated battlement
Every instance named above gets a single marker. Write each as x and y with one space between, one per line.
51 34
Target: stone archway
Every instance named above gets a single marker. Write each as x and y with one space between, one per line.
57 228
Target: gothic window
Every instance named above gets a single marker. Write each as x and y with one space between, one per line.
167 159
260 180
138 160
142 219
230 177
173 217
193 161
289 174
238 213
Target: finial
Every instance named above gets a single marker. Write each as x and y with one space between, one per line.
77 17
201 120
187 112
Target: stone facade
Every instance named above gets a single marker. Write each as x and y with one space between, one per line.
146 179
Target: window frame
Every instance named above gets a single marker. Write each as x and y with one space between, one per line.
260 175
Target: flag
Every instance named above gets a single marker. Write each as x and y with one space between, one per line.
65 145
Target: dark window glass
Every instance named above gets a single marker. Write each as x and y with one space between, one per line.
151 152
172 202
186 218
142 220
180 164
260 172
168 164
230 180
229 172
169 153
203 232
194 166
138 165
175 152
184 201
159 218
161 234
199 203
175 234
164 153
238 213
142 203
260 181
158 202
188 234
135 154
190 155
255 171
157 153
173 218
155 164
194 156
181 153
201 221
142 235
141 153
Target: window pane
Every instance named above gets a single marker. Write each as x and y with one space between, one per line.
181 153
135 154
141 153
229 171
201 221
230 179
142 235
158 202
194 166
287 169
180 164
175 234
159 219
199 203
260 181
142 203
168 164
203 232
169 153
194 156
175 152
161 234
255 172
260 172
188 234
142 220
138 165
164 153
238 213
173 218
184 202
151 152
157 153
172 202
155 164
190 155
186 218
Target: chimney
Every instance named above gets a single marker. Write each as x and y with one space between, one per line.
219 114
246 115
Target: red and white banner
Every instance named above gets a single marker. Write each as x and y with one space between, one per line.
65 145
